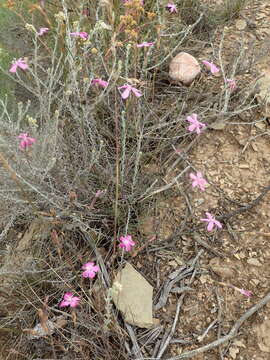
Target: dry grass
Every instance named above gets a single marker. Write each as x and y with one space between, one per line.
89 139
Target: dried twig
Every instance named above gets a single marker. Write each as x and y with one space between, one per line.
171 333
173 278
229 336
165 187
203 243
247 207
136 349
186 32
209 327
166 340
219 322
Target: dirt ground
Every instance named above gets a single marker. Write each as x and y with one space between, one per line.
235 161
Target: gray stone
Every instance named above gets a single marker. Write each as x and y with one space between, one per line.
133 296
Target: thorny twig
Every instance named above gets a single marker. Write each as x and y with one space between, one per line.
229 336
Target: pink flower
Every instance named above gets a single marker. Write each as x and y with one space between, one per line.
210 66
100 82
211 222
90 270
171 7
126 242
145 44
81 34
20 63
231 83
244 292
198 180
100 193
70 300
195 124
25 141
128 88
43 31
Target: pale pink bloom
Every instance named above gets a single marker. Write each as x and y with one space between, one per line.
69 300
231 83
195 124
127 90
171 7
126 242
43 31
81 34
100 82
210 66
90 270
100 193
145 44
20 63
198 180
25 141
212 222
244 292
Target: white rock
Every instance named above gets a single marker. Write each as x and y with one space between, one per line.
184 67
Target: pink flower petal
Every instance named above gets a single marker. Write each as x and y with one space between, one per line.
219 225
210 226
210 66
125 93
69 300
13 68
136 92
145 44
192 127
42 31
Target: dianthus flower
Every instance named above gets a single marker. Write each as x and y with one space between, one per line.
126 242
70 299
26 141
212 222
90 270
20 63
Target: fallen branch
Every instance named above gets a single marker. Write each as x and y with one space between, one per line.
227 337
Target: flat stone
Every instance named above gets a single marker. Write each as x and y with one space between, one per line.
133 296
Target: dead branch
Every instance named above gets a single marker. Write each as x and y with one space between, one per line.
229 336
